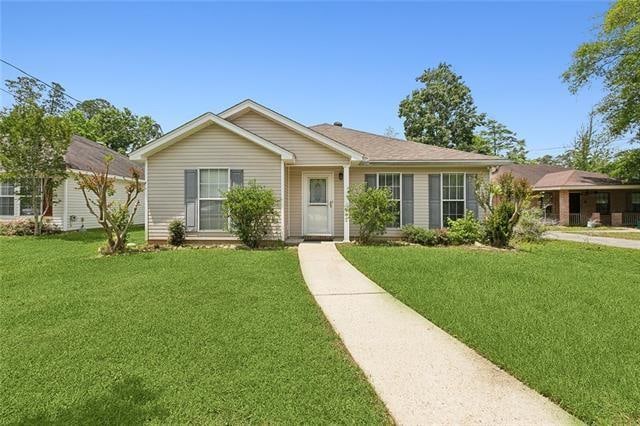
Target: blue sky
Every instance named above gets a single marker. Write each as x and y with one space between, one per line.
315 62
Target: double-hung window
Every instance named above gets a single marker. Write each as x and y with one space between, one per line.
7 199
213 183
392 181
602 202
453 197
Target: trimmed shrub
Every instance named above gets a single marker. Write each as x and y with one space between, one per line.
418 235
426 237
26 226
530 226
252 210
466 230
371 209
177 233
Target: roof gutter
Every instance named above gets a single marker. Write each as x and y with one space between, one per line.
437 163
586 187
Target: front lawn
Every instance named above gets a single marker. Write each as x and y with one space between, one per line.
562 317
189 336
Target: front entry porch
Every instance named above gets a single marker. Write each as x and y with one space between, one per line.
610 207
315 200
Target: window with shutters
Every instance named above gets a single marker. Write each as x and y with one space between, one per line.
212 185
392 181
453 196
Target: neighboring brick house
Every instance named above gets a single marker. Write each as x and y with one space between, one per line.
573 197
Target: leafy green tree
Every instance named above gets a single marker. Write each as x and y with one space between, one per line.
442 112
34 138
614 58
120 130
626 166
590 151
546 159
497 139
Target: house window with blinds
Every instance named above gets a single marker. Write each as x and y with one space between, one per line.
452 197
213 183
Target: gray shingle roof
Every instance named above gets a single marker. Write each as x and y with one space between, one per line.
87 155
383 148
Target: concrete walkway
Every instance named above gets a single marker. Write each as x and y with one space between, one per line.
581 238
423 375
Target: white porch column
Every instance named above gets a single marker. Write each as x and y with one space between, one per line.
345 180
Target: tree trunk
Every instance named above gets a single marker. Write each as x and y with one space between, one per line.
37 230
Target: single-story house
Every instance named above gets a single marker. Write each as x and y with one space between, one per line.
68 210
309 169
573 197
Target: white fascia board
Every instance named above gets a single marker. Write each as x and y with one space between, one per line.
292 125
195 125
586 188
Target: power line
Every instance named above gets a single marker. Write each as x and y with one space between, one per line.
36 78
7 92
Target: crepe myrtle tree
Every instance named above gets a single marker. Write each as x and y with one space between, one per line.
115 217
34 138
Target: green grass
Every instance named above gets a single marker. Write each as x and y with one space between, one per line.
189 336
562 317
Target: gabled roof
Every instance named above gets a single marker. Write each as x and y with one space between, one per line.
86 155
383 149
199 123
574 178
250 105
545 177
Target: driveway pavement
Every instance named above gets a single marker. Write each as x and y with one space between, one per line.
422 374
581 238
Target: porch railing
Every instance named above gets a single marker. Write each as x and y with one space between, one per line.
577 219
630 219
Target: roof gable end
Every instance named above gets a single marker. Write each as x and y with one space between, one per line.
250 105
200 123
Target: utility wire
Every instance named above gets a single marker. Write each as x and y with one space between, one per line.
36 78
7 92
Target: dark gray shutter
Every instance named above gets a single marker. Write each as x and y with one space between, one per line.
370 181
407 199
435 212
472 203
190 198
237 178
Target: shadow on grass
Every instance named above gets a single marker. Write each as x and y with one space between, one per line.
128 402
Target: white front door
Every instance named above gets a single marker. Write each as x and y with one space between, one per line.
318 204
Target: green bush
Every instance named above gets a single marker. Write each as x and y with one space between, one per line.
177 233
530 226
26 226
418 235
426 237
498 231
371 209
466 230
252 210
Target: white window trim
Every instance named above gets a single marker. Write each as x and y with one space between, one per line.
16 203
442 200
211 199
400 199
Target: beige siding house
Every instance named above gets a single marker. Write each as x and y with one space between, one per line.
69 211
309 169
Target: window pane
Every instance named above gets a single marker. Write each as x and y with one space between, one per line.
6 188
452 210
6 206
211 217
396 210
635 198
213 183
317 191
